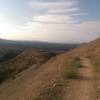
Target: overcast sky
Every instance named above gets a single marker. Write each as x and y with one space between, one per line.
50 20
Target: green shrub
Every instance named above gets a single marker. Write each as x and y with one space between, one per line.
96 62
71 71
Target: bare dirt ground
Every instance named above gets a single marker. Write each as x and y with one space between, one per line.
83 87
32 81
16 89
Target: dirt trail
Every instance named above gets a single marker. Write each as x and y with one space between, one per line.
83 87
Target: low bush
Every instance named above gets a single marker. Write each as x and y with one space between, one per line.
71 71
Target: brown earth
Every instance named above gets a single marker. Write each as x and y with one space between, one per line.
82 88
35 82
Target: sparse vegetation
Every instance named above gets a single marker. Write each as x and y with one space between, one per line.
6 71
53 93
10 68
46 80
8 53
96 63
70 72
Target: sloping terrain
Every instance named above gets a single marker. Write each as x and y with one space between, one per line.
83 87
21 62
8 53
47 82
44 46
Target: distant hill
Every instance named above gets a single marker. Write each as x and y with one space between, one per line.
45 46
21 62
9 48
48 81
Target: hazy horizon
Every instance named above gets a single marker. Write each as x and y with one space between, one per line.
58 21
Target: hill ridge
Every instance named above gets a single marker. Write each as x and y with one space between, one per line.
48 81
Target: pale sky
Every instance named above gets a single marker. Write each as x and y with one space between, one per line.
50 20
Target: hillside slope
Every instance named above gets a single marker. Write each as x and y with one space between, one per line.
44 46
21 62
47 82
